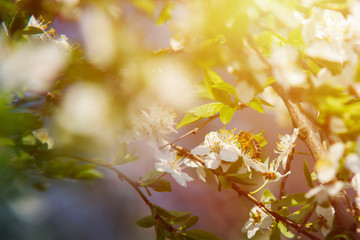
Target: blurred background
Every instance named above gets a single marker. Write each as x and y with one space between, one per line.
109 208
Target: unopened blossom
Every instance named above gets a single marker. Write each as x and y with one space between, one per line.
154 125
43 135
326 168
258 220
170 163
285 68
218 146
286 146
323 192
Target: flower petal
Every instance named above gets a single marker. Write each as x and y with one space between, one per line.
212 161
201 150
228 154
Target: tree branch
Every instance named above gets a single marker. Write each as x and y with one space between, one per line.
298 227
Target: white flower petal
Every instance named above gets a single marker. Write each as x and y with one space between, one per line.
212 161
201 150
228 154
353 163
200 172
336 151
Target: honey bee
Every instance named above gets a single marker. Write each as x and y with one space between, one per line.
249 144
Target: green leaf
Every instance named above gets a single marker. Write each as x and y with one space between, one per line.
206 110
265 43
189 118
283 211
300 215
235 166
165 14
189 223
256 105
203 111
266 103
211 78
226 114
122 156
221 96
150 177
160 185
241 179
291 200
28 140
29 30
296 39
224 182
275 233
307 175
160 232
198 234
89 174
6 141
172 217
148 6
227 87
285 230
269 81
268 194
146 222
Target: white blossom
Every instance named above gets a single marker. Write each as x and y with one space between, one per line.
154 125
32 67
285 68
99 37
200 169
258 220
85 111
172 164
326 168
41 24
217 146
323 192
285 147
47 35
326 33
272 174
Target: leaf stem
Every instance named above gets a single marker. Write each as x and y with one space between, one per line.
262 186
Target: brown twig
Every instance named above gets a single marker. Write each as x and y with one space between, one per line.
307 131
296 226
308 134
120 175
194 131
287 169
